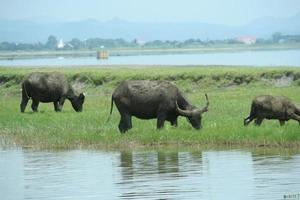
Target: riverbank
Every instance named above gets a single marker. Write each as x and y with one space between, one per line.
230 91
134 51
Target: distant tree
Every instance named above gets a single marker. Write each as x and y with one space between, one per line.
121 42
7 46
192 42
276 36
24 46
157 43
39 46
231 41
51 42
76 43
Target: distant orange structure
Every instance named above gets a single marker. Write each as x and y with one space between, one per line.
102 54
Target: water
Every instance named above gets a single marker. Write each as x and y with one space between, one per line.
81 174
252 58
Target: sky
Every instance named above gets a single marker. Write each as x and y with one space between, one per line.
226 12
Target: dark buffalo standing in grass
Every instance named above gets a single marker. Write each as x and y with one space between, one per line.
272 107
49 87
153 99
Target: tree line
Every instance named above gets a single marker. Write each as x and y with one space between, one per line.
52 43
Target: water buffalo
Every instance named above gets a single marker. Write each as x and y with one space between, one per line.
153 99
272 107
49 87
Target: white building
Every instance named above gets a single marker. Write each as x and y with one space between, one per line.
60 44
247 40
139 41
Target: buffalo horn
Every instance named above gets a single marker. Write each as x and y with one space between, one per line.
205 108
185 113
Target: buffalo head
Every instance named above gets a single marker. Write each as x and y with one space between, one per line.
193 114
77 102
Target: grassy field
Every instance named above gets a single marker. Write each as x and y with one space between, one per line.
230 90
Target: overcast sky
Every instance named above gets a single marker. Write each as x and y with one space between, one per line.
228 12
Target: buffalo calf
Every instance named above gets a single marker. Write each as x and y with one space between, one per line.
272 107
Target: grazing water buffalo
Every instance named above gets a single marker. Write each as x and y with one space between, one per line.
272 107
49 87
153 99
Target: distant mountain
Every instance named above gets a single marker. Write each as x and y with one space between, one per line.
264 27
40 29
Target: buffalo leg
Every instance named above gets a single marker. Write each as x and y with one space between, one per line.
161 118
128 121
61 103
251 116
258 121
282 122
34 105
122 126
56 106
174 122
23 104
125 123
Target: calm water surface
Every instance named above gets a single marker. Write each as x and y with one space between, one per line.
85 175
253 58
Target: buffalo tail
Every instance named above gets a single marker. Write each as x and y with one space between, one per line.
111 109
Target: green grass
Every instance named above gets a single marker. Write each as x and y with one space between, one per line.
230 92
